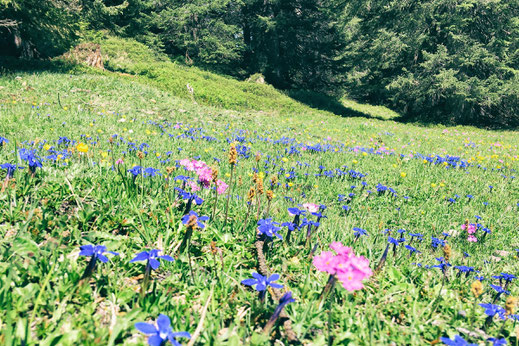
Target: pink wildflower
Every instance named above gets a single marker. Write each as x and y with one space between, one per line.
188 164
311 207
325 262
350 270
194 186
472 238
221 187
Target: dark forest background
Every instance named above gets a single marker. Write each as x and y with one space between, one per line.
449 61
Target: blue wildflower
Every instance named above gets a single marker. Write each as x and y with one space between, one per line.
161 332
357 232
497 342
96 253
457 341
151 257
262 282
269 228
491 310
186 218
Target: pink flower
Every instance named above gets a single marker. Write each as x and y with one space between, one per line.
473 239
205 176
341 249
197 165
351 279
119 162
194 186
325 262
221 187
188 164
471 229
311 207
351 270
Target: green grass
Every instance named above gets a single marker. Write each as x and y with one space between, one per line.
136 61
78 200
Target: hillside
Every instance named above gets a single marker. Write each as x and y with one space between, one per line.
118 158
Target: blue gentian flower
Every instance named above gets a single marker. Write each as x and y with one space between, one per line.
151 172
135 171
152 258
161 332
296 211
31 158
411 249
262 282
186 217
357 232
269 228
416 235
10 168
499 289
457 341
186 195
491 310
96 251
497 342
393 241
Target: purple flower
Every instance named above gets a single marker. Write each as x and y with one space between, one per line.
262 282
152 258
161 331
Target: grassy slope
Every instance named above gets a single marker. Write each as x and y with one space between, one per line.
130 57
45 219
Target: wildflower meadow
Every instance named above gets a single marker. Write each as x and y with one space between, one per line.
130 216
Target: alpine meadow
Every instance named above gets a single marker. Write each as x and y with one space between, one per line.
246 172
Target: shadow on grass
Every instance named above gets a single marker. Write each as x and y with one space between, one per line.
344 108
11 65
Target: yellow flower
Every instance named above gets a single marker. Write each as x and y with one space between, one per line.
227 175
433 185
104 154
290 184
355 161
442 184
284 159
82 148
46 147
403 174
